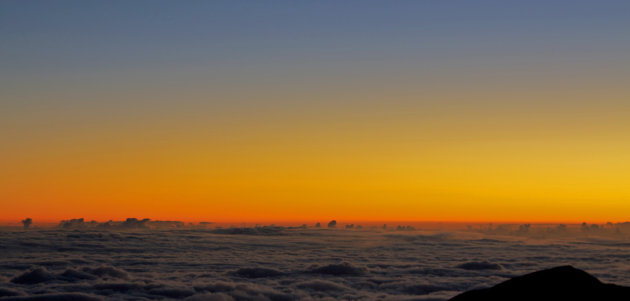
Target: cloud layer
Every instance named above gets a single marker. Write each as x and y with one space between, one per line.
134 262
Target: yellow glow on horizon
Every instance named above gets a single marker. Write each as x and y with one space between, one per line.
447 160
541 180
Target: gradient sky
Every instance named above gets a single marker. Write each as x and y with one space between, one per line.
312 110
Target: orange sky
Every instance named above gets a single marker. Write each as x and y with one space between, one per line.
315 114
382 164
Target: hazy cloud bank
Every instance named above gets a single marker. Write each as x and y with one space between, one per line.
133 261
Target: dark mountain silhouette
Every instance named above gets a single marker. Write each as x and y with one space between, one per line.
559 283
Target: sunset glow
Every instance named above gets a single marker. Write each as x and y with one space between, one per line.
264 115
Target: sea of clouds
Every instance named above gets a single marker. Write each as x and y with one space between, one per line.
146 260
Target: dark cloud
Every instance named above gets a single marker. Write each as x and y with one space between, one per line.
170 292
218 286
77 223
321 285
56 297
106 272
7 292
27 222
266 230
332 224
479 265
131 223
210 297
420 237
72 275
342 269
121 287
247 291
34 276
422 289
258 273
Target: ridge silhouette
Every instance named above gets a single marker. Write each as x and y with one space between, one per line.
559 283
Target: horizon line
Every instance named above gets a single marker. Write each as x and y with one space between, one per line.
10 222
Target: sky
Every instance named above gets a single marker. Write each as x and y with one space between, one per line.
242 111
